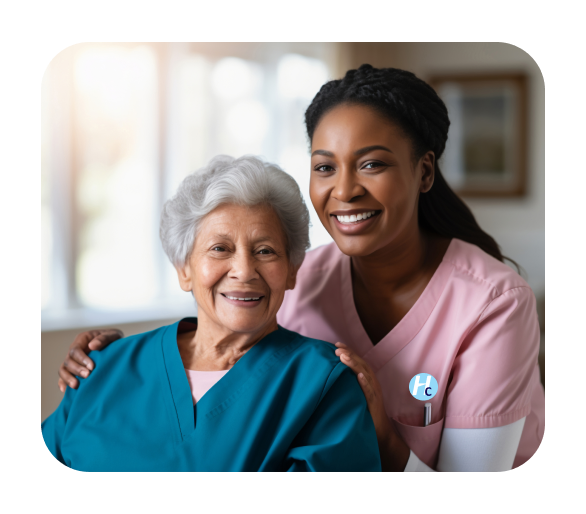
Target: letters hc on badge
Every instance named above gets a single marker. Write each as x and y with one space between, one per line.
423 386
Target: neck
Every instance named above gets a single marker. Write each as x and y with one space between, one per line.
394 265
213 348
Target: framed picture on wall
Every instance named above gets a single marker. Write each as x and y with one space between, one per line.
486 152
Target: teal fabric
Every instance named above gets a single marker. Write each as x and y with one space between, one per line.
288 404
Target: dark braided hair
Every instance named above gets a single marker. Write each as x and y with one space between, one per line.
414 106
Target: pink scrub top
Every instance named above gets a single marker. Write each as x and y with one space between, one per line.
474 328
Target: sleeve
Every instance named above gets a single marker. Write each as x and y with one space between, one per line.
491 381
340 434
474 449
53 428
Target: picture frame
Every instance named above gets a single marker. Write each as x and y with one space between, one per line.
486 152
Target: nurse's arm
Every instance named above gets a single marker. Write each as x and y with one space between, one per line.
77 361
340 434
394 453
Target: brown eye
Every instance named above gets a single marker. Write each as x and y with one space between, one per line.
218 249
324 167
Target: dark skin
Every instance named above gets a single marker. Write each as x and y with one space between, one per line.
360 162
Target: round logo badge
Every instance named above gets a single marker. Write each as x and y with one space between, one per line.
423 386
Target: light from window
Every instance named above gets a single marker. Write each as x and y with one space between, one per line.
116 174
46 233
299 79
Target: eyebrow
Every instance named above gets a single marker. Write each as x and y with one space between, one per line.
325 153
367 149
362 151
259 239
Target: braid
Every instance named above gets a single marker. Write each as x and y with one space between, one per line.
414 106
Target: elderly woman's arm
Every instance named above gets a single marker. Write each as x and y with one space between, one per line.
340 435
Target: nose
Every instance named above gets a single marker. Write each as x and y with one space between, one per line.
347 188
243 267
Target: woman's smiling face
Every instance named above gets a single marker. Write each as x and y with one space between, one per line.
364 183
239 269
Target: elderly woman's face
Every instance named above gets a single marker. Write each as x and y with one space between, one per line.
239 269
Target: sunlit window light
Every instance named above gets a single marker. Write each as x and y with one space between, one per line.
235 78
240 120
299 76
46 234
116 116
105 247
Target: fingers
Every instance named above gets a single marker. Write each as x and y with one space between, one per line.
67 379
352 361
74 367
341 345
365 376
77 362
78 356
366 387
104 337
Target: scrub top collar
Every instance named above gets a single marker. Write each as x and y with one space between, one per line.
249 368
405 331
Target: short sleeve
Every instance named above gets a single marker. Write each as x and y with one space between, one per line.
340 434
54 426
491 381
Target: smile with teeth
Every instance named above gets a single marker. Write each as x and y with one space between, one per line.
242 299
355 217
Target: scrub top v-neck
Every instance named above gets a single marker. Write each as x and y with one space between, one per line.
288 404
474 329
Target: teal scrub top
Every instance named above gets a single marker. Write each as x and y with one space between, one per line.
288 404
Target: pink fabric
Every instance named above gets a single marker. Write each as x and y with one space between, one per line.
474 329
202 381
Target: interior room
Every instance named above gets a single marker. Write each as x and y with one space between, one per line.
123 124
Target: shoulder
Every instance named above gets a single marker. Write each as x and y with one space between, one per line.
315 362
474 268
314 354
127 347
319 274
321 258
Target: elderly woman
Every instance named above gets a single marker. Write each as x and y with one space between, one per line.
229 390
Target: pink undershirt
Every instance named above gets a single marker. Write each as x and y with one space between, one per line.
202 381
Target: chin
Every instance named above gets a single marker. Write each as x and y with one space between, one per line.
357 246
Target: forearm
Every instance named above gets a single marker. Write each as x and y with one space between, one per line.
394 453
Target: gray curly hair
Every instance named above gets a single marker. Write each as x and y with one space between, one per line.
248 181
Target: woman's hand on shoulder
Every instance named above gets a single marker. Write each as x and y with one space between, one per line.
77 361
394 452
370 387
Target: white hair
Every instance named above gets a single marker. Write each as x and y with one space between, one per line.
247 181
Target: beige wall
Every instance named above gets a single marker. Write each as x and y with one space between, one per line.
54 346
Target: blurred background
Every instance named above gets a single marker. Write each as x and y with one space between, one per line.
123 124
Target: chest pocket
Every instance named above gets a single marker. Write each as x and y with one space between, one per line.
423 441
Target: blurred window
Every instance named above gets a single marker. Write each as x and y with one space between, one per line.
115 124
46 212
122 126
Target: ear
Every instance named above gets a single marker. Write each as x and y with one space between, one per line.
292 276
427 163
184 275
